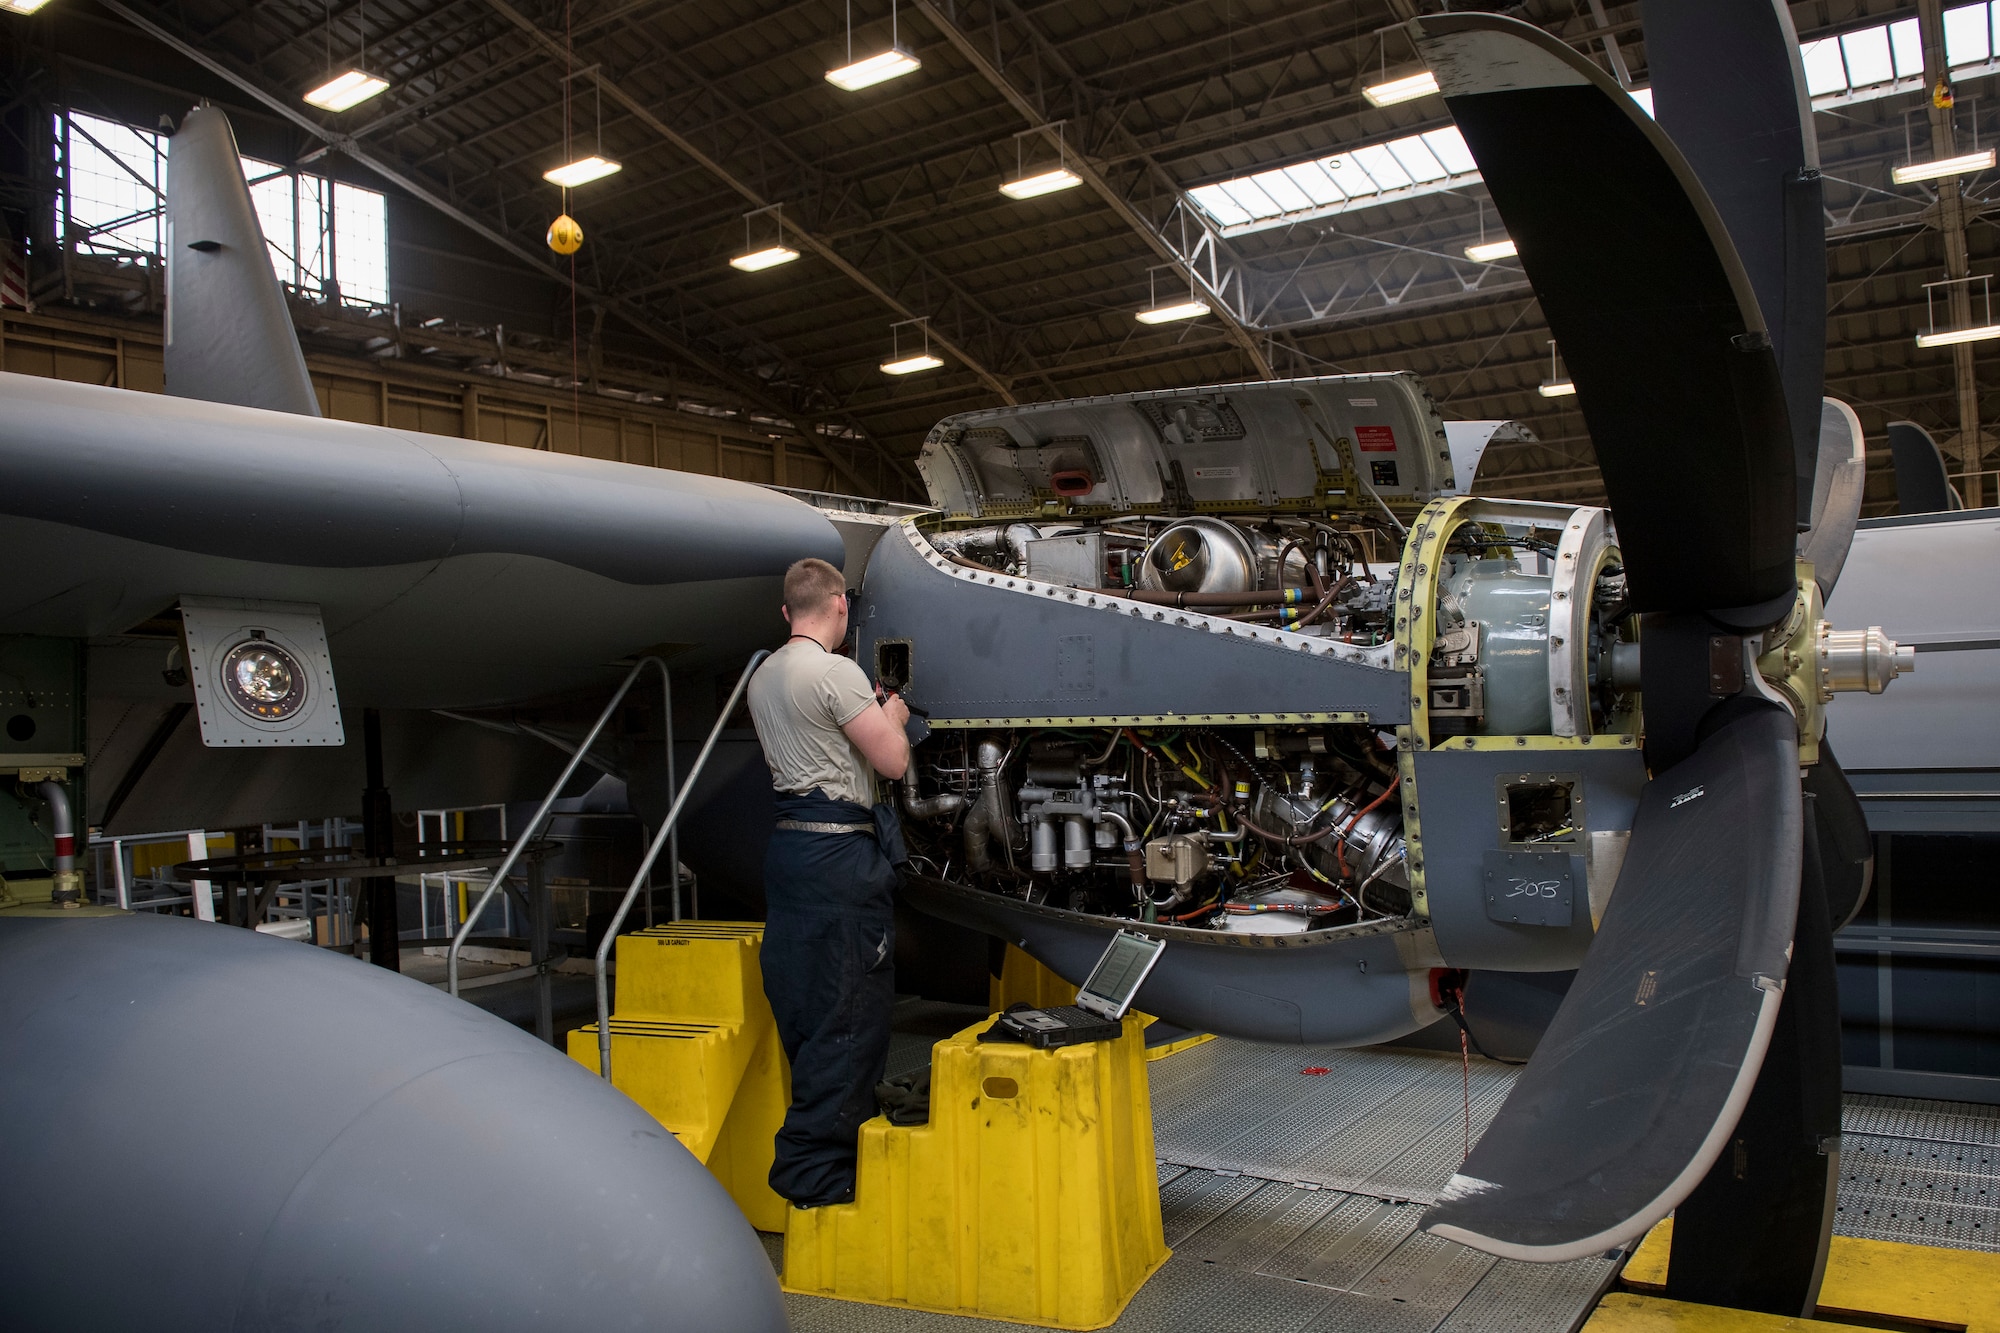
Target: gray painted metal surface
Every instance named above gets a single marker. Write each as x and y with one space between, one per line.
229 338
1467 783
451 573
1351 986
990 646
209 1128
1195 448
1927 582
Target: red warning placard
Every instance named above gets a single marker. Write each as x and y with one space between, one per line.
1375 439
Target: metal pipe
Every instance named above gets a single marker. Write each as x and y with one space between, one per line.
930 807
68 890
1187 600
548 802
653 852
1135 856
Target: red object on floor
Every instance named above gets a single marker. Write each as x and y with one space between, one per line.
1315 1070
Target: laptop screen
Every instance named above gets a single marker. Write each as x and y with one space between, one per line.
1109 989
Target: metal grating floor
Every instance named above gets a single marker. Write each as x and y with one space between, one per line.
1291 1200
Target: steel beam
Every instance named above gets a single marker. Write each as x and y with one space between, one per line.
1116 202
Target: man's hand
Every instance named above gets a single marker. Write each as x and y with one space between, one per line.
898 712
880 736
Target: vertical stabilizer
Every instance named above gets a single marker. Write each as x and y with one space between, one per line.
229 337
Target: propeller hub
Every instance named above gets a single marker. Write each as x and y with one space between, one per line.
1855 660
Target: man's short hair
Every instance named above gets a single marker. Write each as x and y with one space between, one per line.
809 583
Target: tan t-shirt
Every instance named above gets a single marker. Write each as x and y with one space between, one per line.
799 700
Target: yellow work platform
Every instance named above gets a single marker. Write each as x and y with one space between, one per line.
693 1041
1870 1284
1031 1196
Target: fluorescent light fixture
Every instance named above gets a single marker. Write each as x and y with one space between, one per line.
1557 388
336 94
1163 314
769 257
1046 182
1950 337
22 6
1406 89
879 68
1488 251
1944 166
582 171
909 365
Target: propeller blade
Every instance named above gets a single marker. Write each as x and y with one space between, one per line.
1839 476
1345 988
1922 486
1753 1235
1675 374
1636 1087
1846 851
1726 89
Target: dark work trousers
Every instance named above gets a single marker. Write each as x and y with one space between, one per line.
829 970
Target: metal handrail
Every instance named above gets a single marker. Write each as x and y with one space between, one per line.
652 854
534 825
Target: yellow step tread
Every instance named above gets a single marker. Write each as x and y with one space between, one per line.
1940 1287
1626 1312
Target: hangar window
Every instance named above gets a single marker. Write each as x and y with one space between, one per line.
324 236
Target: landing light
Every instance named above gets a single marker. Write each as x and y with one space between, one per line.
337 94
1162 314
1406 89
879 68
911 364
582 171
1046 182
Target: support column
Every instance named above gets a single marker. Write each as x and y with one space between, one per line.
538 949
1950 221
378 843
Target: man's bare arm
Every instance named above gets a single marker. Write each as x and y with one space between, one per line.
877 731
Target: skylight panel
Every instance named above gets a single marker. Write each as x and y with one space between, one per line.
1251 199
1867 55
1907 41
1413 157
1449 146
1968 35
1826 72
1215 201
1318 185
1284 193
1381 166
1368 175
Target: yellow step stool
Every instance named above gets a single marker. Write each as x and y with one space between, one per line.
1032 1194
693 1042
1869 1284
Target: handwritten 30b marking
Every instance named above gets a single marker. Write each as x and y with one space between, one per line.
1534 888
